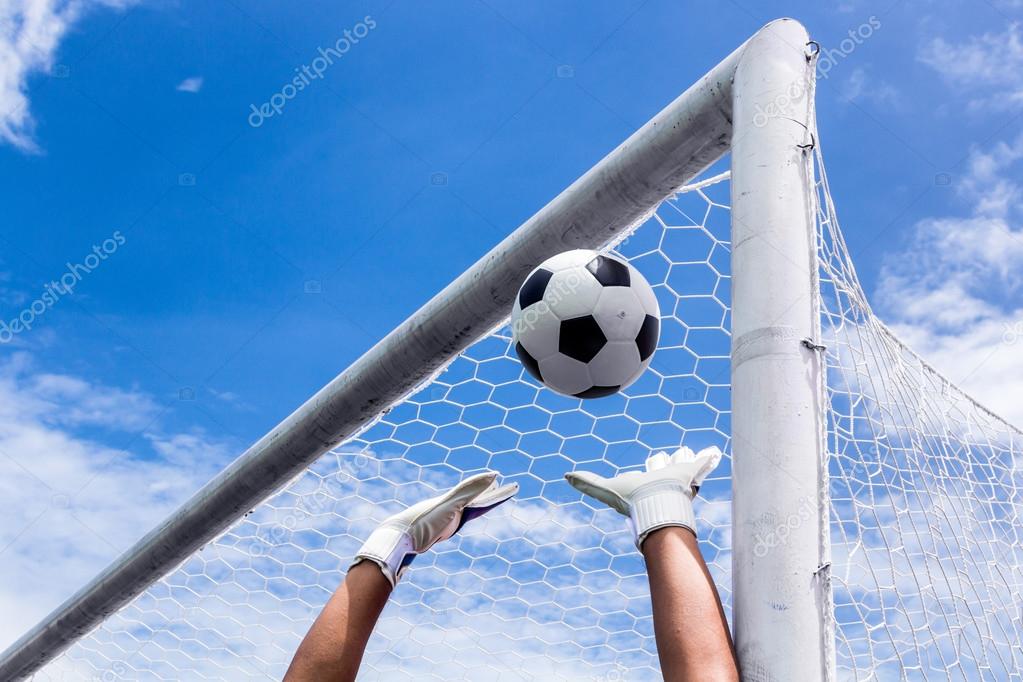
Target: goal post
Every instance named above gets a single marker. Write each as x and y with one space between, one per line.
781 601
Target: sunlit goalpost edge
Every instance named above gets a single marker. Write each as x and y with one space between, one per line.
756 103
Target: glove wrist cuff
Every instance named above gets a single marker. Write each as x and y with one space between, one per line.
389 548
665 505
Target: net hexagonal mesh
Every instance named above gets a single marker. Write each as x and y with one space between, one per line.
548 586
924 508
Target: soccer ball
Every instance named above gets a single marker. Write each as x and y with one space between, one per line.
585 324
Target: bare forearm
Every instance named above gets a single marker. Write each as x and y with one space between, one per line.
332 650
693 642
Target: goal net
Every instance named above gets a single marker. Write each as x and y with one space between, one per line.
549 586
926 504
922 500
925 508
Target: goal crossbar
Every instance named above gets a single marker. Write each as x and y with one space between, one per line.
619 192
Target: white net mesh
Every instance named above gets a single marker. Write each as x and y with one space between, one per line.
924 492
925 501
548 587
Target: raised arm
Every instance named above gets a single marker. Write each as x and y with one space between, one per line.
332 649
693 641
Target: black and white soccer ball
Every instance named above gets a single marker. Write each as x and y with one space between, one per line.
585 324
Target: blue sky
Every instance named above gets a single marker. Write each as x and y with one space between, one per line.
337 189
258 262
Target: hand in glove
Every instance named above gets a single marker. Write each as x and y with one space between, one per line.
658 497
397 541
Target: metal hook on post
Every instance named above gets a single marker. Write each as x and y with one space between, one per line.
813 51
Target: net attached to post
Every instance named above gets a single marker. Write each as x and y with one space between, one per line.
926 504
924 489
547 587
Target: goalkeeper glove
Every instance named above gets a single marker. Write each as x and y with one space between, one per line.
658 497
397 541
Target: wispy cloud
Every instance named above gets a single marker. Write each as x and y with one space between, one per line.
952 293
72 402
30 36
193 84
70 503
861 86
979 64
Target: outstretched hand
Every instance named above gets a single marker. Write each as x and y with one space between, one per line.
659 496
397 541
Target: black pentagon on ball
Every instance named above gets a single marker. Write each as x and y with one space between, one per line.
528 361
533 288
646 340
581 338
609 272
598 391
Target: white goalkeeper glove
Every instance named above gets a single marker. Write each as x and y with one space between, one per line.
658 497
397 541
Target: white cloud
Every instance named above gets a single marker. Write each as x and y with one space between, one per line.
985 184
860 86
30 36
71 401
991 60
953 293
193 84
70 504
